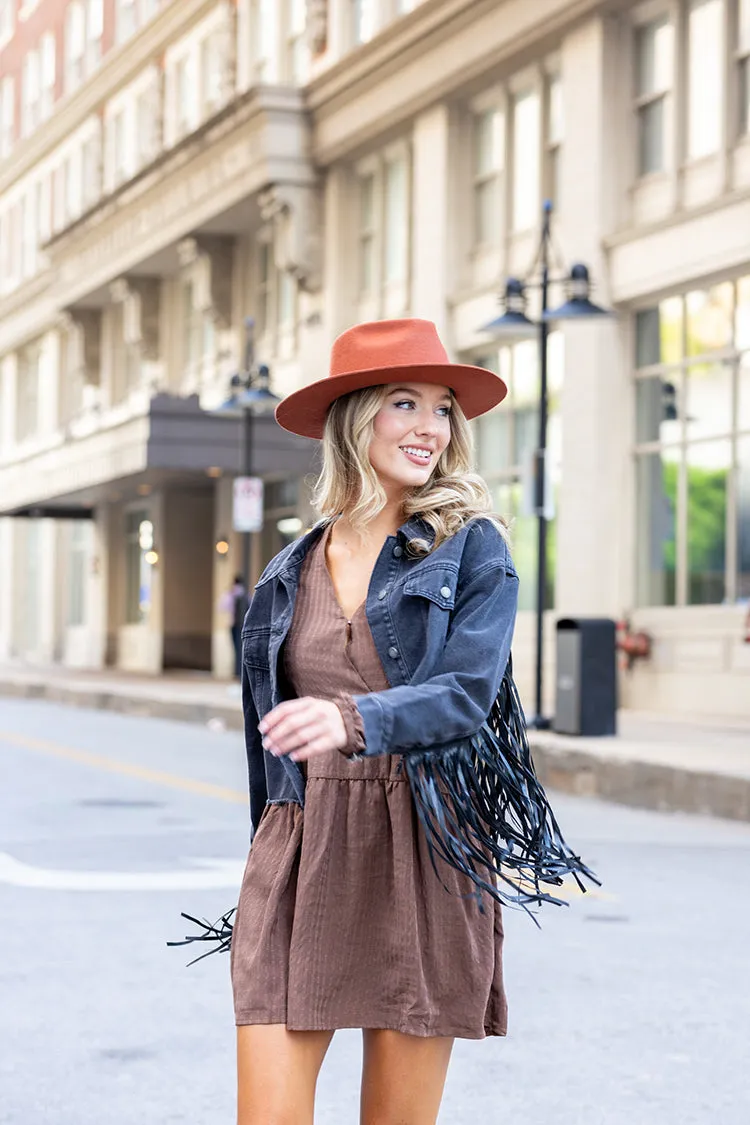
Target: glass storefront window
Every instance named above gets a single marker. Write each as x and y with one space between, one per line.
506 440
658 333
708 468
743 518
690 490
708 400
656 544
657 409
709 319
743 393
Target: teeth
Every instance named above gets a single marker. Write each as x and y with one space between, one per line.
423 453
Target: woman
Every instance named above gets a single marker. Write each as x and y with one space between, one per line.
384 630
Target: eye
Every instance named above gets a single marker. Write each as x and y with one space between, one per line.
405 402
444 411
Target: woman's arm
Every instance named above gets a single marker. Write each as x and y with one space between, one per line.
456 698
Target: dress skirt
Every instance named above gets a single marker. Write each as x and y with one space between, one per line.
342 920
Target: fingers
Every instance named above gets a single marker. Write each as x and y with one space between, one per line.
302 728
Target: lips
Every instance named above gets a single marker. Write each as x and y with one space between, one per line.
418 455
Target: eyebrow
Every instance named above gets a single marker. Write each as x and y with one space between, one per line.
417 394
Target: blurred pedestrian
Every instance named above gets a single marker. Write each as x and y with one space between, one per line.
236 602
373 654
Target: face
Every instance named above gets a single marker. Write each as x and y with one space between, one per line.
410 431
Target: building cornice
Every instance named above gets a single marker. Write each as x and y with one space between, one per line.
499 31
118 67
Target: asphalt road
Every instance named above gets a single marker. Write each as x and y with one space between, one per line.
632 1007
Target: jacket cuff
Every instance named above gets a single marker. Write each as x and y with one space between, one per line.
355 728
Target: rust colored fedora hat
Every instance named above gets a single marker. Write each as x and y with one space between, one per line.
387 351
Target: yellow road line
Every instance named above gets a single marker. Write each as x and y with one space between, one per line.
128 769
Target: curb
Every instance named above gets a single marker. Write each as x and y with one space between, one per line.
640 784
141 706
633 782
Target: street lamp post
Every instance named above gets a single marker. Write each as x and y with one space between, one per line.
514 323
250 395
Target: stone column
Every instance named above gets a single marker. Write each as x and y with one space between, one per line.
431 226
595 513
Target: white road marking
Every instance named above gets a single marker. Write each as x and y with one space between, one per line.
205 875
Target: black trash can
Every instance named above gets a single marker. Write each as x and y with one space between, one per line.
586 689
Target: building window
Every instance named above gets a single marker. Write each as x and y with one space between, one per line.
654 44
94 33
198 335
555 132
396 221
296 48
126 19
262 17
30 96
383 217
489 164
185 96
506 441
27 409
526 159
80 539
367 235
91 171
47 49
364 20
118 148
139 539
212 67
705 66
7 22
693 439
7 116
75 46
265 287
743 64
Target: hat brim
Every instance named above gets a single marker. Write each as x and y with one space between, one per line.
476 389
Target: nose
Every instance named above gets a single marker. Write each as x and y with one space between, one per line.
425 425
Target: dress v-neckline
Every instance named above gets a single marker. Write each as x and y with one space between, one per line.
332 588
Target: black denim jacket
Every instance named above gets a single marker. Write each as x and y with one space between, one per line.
442 625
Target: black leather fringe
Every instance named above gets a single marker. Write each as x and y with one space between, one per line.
219 932
486 814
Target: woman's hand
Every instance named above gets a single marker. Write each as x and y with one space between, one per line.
303 728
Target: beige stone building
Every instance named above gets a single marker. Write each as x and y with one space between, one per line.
314 164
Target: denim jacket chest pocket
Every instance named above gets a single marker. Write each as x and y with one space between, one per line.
423 613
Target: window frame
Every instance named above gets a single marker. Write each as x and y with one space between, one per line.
653 16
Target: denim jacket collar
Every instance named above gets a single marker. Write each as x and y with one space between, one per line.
293 556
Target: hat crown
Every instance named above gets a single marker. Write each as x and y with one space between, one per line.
381 344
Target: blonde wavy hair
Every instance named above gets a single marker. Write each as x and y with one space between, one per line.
453 495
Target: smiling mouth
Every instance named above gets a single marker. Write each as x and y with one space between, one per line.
417 454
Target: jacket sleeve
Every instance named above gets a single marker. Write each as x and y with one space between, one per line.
254 749
456 698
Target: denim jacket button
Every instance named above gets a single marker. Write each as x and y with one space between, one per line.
445 591
398 552
381 595
393 651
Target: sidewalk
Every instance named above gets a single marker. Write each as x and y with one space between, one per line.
654 762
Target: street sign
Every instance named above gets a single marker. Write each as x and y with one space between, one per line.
247 504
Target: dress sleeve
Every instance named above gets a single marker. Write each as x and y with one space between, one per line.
354 724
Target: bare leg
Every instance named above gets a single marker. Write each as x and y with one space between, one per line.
403 1078
277 1071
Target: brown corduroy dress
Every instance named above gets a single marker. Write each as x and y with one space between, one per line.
342 921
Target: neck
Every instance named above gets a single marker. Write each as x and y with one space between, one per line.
378 529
